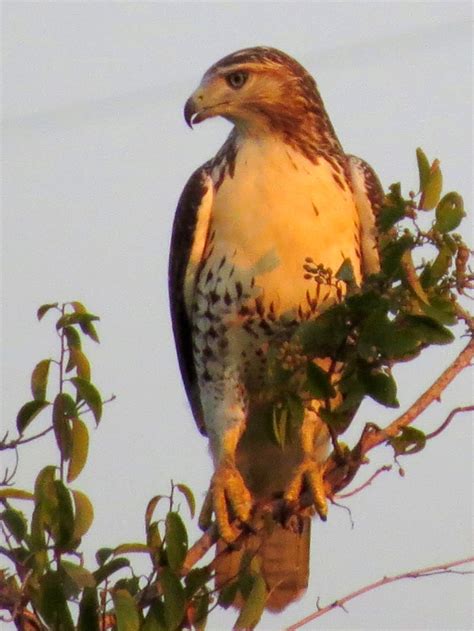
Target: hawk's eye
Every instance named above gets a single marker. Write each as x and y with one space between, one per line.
236 79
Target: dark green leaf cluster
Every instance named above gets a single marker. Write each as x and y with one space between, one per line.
60 515
44 549
406 307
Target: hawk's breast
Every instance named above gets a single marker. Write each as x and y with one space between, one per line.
277 210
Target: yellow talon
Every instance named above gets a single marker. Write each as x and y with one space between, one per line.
313 472
228 489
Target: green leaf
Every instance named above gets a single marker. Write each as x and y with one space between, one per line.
174 597
346 272
63 528
441 309
153 537
79 449
295 409
374 331
83 515
78 360
228 595
15 523
79 575
323 336
150 509
196 579
392 210
110 568
155 618
337 421
433 188
28 412
126 611
279 424
39 380
409 441
44 309
86 327
253 607
78 306
318 382
393 339
449 212
72 337
89 611
392 254
103 554
423 168
432 272
188 494
381 387
53 604
127 548
15 494
90 394
131 584
63 409
69 319
411 277
44 486
176 540
38 540
428 330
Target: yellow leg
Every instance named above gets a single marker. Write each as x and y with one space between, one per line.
313 438
227 489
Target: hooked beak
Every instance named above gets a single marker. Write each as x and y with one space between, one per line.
190 109
195 112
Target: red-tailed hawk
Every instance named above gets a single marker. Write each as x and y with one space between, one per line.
279 192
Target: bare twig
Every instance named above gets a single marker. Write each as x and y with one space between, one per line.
444 568
452 414
341 496
13 444
433 393
9 476
465 316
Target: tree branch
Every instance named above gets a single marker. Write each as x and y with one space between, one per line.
444 568
433 393
199 549
341 496
338 475
452 414
13 444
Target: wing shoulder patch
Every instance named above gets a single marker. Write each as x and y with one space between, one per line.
369 196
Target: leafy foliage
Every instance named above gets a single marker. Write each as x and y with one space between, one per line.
397 313
411 304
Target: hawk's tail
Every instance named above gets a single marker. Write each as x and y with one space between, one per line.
284 562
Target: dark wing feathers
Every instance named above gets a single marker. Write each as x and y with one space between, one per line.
369 197
180 249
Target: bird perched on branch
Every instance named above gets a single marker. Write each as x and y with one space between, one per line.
279 193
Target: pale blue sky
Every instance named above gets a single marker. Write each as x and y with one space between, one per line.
96 153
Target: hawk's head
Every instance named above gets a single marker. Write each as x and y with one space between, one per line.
260 88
